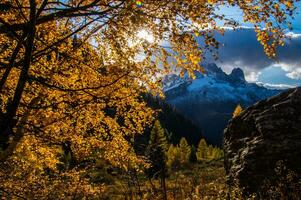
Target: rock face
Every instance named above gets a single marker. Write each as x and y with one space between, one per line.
237 75
262 135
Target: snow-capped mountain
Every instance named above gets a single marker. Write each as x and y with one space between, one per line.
210 99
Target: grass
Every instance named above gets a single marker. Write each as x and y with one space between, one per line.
193 181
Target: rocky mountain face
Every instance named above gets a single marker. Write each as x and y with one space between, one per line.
209 100
259 138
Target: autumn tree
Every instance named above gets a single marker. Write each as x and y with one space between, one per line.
217 153
83 93
237 111
185 151
173 157
214 153
202 150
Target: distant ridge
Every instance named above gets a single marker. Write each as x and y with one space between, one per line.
210 99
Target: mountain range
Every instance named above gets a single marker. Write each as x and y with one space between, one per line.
210 99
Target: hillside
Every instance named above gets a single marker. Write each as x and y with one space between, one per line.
175 124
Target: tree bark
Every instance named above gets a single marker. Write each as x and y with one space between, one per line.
11 64
19 134
9 121
164 184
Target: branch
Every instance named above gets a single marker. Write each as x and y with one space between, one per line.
67 13
64 89
11 193
8 123
12 61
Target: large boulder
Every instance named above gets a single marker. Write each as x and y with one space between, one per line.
262 136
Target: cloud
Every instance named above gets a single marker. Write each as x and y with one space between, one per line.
293 35
294 74
240 48
292 71
252 76
276 86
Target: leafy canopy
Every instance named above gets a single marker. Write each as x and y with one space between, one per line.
72 71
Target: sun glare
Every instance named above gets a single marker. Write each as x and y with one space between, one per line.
143 34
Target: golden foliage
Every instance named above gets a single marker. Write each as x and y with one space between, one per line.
237 111
72 72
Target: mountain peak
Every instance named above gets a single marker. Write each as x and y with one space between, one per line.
213 68
237 75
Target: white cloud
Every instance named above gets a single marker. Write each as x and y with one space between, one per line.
293 70
293 35
252 76
236 28
276 86
294 74
241 49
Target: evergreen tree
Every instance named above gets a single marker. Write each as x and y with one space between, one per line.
202 150
193 158
185 151
156 157
156 150
158 136
237 111
210 153
173 157
217 153
156 154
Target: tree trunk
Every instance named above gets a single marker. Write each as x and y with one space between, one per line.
19 134
9 121
163 185
11 62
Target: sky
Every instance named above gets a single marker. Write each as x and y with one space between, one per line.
240 48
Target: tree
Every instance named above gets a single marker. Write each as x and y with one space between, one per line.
156 155
237 111
193 155
185 151
158 136
173 157
57 89
156 151
217 153
214 153
202 151
210 154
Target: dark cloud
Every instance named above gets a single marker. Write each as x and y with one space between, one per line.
241 49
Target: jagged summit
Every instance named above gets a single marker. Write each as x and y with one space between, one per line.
237 75
212 68
210 99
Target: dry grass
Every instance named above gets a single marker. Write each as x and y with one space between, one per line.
197 181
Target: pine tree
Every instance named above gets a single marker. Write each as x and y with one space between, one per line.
156 154
202 150
217 153
237 111
173 157
185 151
158 136
210 153
193 158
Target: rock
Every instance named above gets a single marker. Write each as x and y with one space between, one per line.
237 75
261 136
